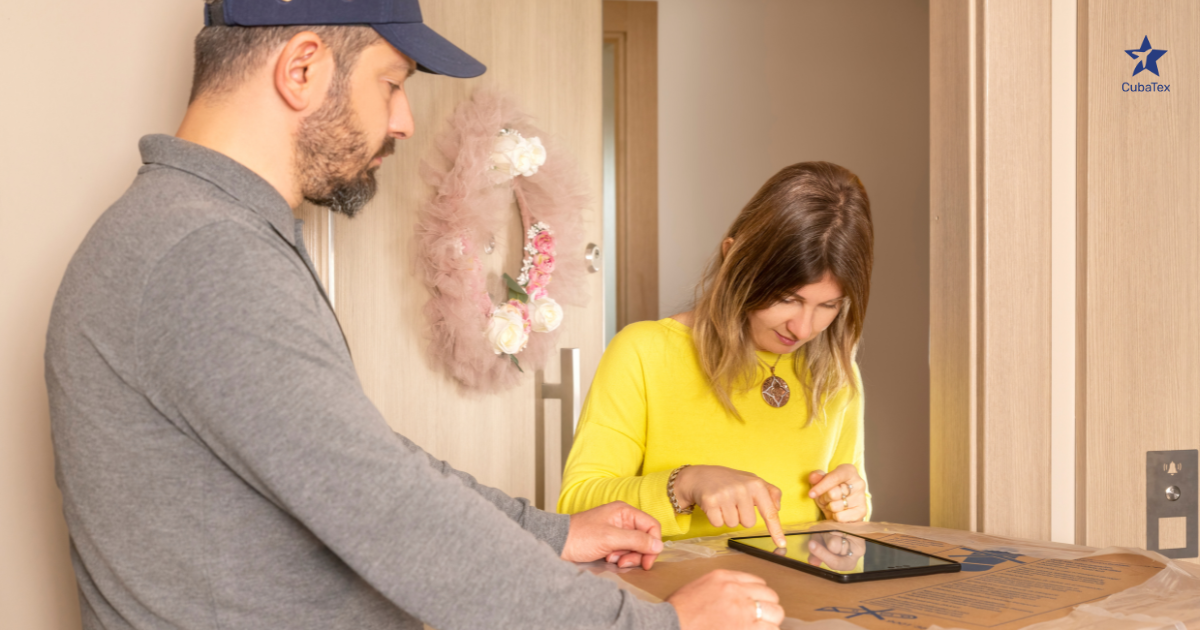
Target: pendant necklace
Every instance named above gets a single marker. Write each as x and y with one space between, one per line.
775 391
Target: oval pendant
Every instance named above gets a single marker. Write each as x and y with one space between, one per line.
776 391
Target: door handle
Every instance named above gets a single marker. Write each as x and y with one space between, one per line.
567 391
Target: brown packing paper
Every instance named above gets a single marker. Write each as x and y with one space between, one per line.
997 589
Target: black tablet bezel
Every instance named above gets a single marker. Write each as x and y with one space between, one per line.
847 578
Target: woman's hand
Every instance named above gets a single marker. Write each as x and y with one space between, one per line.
729 497
841 494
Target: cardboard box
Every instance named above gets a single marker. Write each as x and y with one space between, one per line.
996 590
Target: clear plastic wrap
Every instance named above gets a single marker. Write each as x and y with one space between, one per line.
1169 600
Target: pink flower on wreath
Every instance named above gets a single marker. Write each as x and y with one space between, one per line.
536 291
524 310
544 263
544 242
537 277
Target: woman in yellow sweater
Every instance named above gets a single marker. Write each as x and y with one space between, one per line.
745 401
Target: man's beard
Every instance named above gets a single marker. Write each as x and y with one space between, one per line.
333 161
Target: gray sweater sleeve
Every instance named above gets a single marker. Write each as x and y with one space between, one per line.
547 527
233 348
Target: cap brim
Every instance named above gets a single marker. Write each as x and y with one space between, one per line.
432 52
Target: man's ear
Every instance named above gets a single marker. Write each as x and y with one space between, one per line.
303 71
725 245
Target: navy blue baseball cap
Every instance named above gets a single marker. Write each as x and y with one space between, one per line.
397 21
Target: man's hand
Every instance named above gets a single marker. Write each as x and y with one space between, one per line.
617 532
841 494
727 600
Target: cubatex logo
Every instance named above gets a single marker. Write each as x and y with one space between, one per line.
1147 59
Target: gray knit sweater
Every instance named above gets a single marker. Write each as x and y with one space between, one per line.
220 465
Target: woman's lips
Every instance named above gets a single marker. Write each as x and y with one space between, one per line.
784 340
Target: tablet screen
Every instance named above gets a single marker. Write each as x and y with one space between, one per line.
844 553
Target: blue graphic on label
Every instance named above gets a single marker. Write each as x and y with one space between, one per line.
984 559
1147 57
859 611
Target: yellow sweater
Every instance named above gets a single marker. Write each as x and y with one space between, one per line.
651 409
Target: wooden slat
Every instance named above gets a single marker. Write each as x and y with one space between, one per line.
951 266
1081 275
1014 350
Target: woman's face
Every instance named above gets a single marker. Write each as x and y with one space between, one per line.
788 324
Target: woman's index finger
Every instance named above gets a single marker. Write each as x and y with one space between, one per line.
770 515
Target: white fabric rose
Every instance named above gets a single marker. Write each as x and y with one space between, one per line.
506 330
529 155
514 155
546 314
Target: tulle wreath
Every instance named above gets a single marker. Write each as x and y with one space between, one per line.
455 224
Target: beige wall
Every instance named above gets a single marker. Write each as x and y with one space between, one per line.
83 81
749 86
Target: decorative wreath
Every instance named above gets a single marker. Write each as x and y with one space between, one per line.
489 155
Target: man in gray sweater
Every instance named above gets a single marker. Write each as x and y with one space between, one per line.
220 465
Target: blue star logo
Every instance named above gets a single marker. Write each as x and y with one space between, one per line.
1147 57
984 559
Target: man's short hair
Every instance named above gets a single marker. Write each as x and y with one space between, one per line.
226 55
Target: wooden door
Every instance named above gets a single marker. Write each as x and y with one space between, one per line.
1139 273
632 29
546 54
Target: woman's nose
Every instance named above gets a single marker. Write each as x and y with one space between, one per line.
801 326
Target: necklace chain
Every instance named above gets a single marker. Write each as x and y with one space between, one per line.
771 367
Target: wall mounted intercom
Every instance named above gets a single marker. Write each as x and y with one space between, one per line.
1172 498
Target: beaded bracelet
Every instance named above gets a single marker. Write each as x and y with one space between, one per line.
671 491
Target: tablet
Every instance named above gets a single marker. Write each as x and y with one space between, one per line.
844 557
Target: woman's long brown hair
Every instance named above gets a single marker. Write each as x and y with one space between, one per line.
809 219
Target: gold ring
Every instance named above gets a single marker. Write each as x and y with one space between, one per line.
757 610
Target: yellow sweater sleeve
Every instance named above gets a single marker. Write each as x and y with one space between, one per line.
605 463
